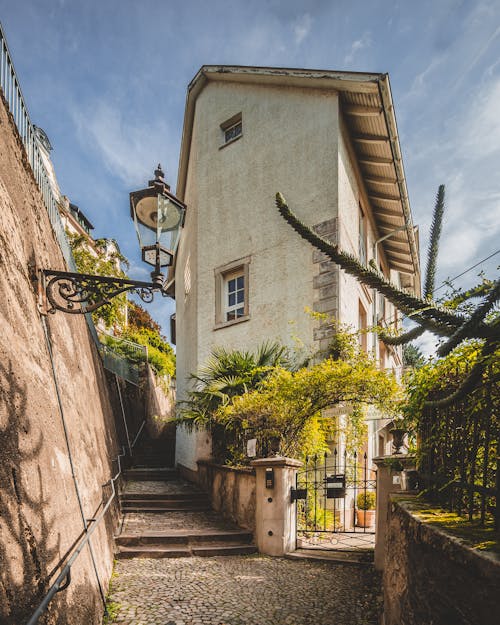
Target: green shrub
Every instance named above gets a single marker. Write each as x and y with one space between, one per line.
366 500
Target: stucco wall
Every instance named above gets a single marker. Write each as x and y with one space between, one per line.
431 578
231 491
289 144
40 518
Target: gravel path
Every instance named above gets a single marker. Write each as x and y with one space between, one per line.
243 590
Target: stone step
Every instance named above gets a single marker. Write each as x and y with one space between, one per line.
160 551
153 551
339 556
133 497
151 474
223 550
177 507
185 537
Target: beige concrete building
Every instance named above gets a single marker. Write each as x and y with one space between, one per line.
328 141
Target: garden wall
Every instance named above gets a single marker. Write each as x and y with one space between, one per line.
231 491
431 578
51 453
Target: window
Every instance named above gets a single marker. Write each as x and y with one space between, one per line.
362 327
362 237
232 129
231 293
234 296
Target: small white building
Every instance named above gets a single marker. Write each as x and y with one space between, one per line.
328 141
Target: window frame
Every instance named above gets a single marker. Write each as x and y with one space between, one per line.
225 127
223 275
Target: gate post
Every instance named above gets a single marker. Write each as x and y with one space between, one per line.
275 513
388 467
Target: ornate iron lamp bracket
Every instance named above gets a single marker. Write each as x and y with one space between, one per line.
79 293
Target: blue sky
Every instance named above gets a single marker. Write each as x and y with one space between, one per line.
107 81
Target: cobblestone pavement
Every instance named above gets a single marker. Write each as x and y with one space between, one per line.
243 590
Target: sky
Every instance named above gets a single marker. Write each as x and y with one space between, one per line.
107 82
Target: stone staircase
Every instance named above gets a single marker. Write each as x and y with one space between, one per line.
167 517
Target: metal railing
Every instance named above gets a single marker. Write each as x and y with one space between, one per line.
459 464
64 578
17 107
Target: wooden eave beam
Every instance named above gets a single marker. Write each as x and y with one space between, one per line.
399 266
395 244
388 212
384 198
381 180
375 160
398 255
362 111
364 138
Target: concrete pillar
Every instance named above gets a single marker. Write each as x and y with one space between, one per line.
388 482
275 512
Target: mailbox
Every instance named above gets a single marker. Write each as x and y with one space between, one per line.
335 486
269 478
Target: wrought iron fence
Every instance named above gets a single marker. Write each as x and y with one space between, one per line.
459 454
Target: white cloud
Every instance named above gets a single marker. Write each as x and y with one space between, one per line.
356 46
128 150
482 133
427 343
302 28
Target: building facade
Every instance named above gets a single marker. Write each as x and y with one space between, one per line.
328 141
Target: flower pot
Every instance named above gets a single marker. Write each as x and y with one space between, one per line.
365 518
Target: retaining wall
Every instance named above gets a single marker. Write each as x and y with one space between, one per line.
40 514
231 491
432 578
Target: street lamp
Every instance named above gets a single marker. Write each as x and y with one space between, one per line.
158 217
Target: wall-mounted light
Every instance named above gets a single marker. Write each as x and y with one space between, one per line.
158 217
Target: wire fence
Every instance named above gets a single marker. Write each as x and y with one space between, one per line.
459 453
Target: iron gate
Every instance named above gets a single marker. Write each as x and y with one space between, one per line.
331 493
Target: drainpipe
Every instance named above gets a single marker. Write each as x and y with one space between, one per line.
375 257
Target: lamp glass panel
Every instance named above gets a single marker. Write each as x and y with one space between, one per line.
158 220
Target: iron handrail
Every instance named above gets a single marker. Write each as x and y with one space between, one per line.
64 578
138 434
137 347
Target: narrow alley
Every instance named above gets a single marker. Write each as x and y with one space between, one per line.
160 578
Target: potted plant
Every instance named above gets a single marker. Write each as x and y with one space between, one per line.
365 509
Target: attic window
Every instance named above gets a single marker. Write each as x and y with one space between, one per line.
232 129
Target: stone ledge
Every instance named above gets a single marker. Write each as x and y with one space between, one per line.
455 548
225 467
278 461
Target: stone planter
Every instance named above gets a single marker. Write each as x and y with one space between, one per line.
365 518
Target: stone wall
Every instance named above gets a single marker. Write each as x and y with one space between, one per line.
231 491
431 578
54 456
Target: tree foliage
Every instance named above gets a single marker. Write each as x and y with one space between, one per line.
91 258
138 317
128 320
241 395
449 322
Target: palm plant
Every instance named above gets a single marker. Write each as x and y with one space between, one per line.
226 374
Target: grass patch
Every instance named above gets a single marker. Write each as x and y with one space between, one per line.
482 538
112 609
